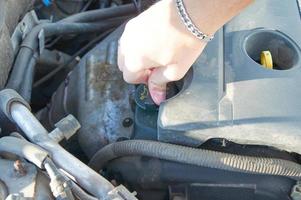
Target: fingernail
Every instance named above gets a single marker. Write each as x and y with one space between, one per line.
158 96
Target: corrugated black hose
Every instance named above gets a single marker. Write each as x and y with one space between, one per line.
198 157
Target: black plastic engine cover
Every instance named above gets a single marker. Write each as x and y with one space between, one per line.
229 95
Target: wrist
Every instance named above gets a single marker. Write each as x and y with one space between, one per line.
175 22
203 15
209 16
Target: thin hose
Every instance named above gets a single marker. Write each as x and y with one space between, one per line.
68 13
66 26
80 193
24 149
99 14
81 51
198 157
78 28
26 88
30 44
96 15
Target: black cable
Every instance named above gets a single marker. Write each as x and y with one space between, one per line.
96 15
137 4
61 9
66 12
79 28
83 9
53 42
26 88
81 51
86 6
100 14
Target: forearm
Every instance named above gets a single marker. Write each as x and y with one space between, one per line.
209 16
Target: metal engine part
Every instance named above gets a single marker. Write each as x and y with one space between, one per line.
23 180
17 110
99 98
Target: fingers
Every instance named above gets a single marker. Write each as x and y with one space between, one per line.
131 64
134 77
159 78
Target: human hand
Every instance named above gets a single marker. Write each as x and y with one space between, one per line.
156 47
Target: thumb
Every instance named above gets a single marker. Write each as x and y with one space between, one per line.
159 78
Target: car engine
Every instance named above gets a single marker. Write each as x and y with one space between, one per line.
72 128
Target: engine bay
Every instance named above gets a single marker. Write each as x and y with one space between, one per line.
72 128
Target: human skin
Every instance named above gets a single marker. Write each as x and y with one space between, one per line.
156 47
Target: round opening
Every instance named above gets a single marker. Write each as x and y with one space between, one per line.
174 88
285 53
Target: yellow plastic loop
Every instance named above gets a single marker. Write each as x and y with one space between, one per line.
266 59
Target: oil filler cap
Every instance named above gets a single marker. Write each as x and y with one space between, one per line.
144 100
266 60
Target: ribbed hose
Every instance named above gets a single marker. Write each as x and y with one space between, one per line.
198 157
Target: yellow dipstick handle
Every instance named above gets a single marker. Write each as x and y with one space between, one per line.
266 59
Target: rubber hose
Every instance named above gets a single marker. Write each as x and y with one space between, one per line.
26 87
69 61
87 178
96 15
30 44
78 28
19 67
198 157
24 149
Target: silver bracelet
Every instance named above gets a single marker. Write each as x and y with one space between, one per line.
189 24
